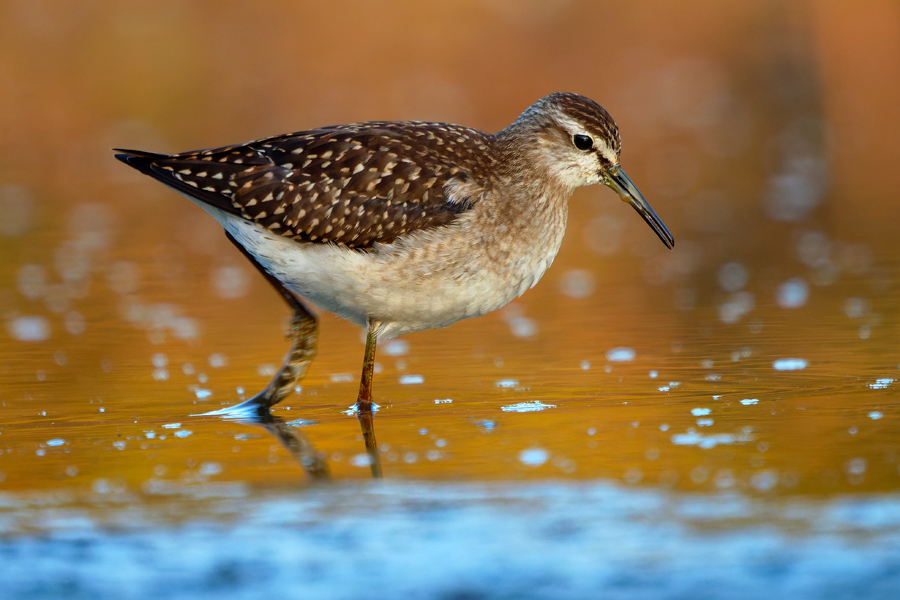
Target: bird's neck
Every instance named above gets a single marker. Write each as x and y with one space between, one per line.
529 199
528 214
527 156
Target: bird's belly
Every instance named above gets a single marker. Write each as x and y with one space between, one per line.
404 290
404 298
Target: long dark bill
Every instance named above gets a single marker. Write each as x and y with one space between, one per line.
619 181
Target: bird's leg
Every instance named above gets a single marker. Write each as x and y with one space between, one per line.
303 332
364 399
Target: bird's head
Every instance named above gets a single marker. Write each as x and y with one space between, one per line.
575 142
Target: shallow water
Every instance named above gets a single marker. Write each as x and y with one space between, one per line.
617 385
414 540
719 419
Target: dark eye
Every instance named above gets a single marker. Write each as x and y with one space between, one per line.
583 142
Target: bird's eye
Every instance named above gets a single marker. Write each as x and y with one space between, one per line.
583 142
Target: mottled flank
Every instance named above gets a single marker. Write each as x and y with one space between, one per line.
352 185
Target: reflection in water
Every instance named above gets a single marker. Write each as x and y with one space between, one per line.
303 332
671 418
365 414
290 436
106 333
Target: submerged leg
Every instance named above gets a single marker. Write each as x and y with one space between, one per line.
364 399
302 332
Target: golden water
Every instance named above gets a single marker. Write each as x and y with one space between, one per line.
696 403
765 136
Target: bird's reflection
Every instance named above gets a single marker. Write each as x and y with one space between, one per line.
303 333
291 437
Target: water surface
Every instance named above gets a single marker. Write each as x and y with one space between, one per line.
718 419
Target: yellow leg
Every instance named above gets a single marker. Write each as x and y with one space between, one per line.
364 399
303 332
365 383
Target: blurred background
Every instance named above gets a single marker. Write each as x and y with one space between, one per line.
756 360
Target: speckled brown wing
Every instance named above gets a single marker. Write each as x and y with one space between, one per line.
353 185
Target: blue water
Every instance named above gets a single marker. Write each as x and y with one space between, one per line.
426 540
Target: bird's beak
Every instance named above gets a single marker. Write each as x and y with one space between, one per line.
619 182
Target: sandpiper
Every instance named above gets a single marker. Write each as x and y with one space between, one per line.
404 226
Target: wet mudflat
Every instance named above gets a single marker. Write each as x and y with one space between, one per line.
722 419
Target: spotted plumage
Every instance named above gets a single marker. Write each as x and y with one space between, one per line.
407 225
400 227
351 185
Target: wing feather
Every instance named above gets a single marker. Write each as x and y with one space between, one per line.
354 185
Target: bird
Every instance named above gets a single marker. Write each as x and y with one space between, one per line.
402 226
